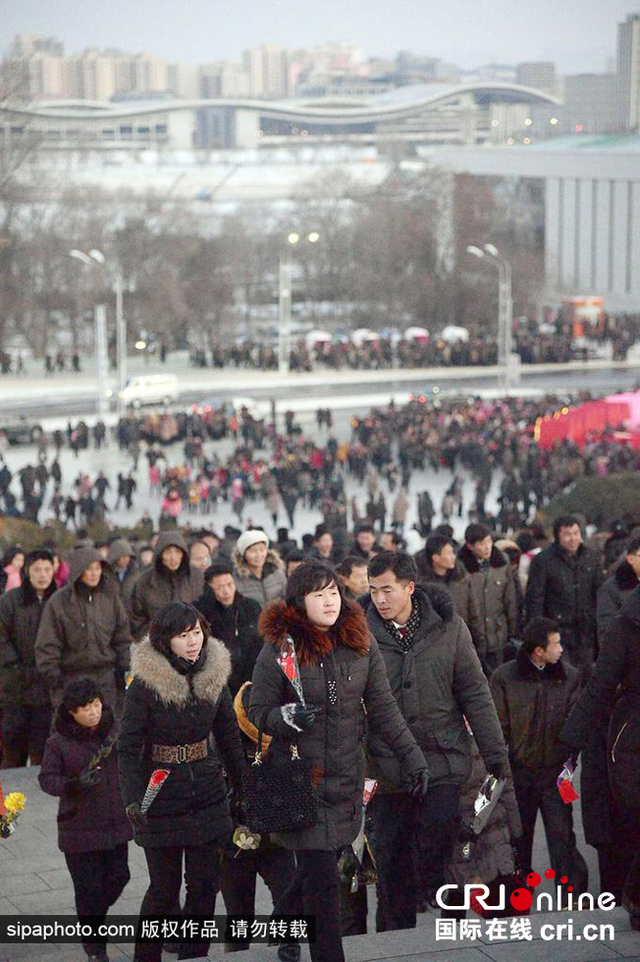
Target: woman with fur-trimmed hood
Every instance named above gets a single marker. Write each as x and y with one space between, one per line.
259 571
344 681
177 700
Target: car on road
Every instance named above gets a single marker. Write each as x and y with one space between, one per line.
20 430
150 389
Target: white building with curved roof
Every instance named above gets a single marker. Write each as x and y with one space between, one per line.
472 113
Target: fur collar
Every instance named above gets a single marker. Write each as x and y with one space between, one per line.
625 576
279 620
529 671
172 688
274 561
469 560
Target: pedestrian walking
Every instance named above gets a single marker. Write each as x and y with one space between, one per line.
342 676
178 715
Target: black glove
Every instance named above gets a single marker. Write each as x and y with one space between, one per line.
501 769
419 783
297 717
86 779
137 817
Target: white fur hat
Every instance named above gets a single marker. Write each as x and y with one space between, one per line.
249 538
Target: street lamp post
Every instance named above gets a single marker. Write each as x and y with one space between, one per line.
96 258
507 362
284 299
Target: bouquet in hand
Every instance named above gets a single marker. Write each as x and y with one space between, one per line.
10 809
245 839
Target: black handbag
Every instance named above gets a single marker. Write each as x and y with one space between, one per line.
277 792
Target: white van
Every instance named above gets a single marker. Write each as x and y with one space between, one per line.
150 389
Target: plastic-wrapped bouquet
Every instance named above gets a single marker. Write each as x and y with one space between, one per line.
10 809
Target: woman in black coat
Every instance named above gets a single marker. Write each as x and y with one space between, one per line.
342 675
178 698
80 767
618 664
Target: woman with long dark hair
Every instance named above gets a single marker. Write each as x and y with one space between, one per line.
342 676
177 699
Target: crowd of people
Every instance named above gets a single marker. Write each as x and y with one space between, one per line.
425 672
388 452
429 662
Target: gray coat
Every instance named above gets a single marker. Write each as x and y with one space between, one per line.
496 593
263 590
334 745
463 594
437 682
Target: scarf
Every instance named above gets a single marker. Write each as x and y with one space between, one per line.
405 637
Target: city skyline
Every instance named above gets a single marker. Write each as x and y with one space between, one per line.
577 37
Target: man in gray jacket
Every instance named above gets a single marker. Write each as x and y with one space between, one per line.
496 592
437 680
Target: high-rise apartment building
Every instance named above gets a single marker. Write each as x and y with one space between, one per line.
539 74
628 73
266 67
590 103
89 76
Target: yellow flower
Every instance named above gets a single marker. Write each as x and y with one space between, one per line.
15 803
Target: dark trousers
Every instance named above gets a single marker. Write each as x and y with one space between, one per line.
25 729
413 842
98 881
238 882
202 877
538 791
314 890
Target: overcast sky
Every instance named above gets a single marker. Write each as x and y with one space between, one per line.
579 35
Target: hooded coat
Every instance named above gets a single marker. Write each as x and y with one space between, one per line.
437 682
83 632
565 589
157 586
613 594
118 549
463 594
165 707
532 707
20 613
266 589
348 661
496 593
89 819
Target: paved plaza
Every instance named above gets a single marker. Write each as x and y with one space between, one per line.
34 881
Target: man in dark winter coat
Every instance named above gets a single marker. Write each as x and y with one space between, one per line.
495 589
563 585
437 564
24 694
436 678
170 578
84 631
533 696
616 589
233 619
618 664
